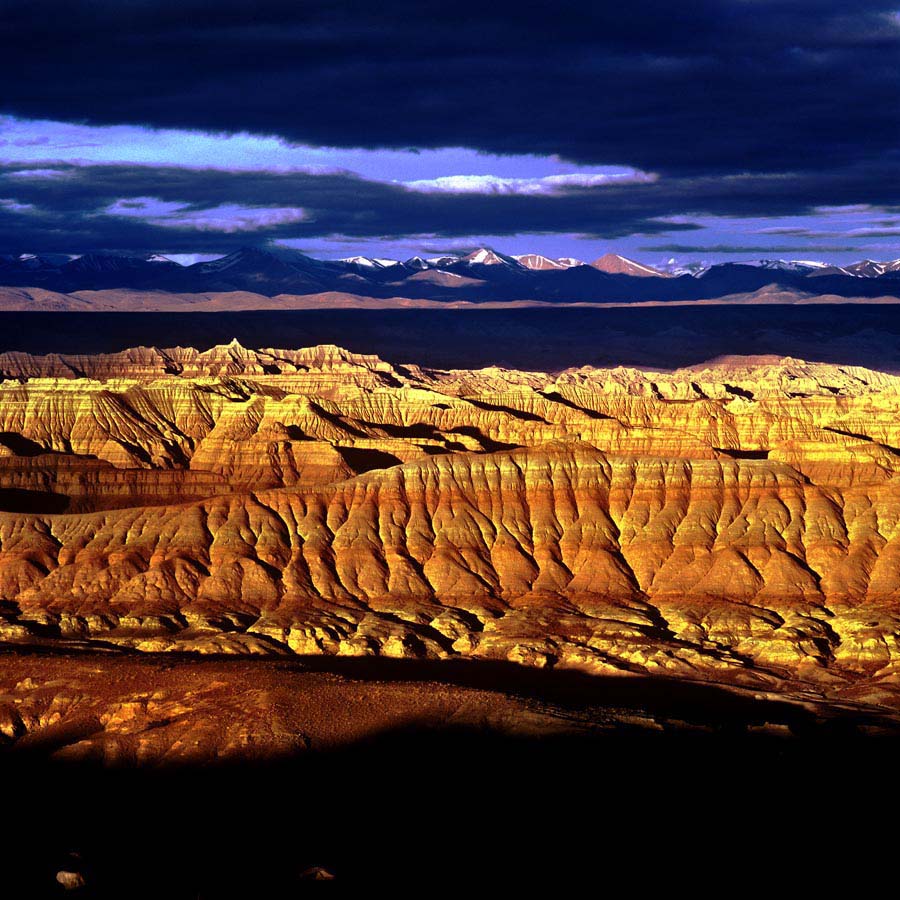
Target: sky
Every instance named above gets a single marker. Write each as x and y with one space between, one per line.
711 130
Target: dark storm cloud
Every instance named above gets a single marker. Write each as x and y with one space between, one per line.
709 86
69 207
73 208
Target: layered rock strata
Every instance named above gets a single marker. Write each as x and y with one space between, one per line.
736 522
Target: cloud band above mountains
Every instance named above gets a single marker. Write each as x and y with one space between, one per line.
726 108
124 207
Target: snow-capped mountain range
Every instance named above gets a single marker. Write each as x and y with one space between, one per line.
482 275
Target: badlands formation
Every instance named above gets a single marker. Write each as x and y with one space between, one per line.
738 522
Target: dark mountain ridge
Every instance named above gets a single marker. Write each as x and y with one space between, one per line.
481 276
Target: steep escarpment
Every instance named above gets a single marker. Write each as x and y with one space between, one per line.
740 521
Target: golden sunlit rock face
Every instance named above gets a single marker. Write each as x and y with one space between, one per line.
739 521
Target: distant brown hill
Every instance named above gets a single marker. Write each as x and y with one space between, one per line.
29 299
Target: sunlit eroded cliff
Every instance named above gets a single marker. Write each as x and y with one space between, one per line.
739 521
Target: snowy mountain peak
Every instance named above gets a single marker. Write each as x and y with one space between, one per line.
613 264
787 265
675 269
369 262
485 257
538 263
359 261
439 261
870 268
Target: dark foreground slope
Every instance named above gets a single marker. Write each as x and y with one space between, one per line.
544 339
398 776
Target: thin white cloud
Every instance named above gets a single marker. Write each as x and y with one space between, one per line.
150 208
874 231
42 141
549 184
227 218
230 218
15 206
36 173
